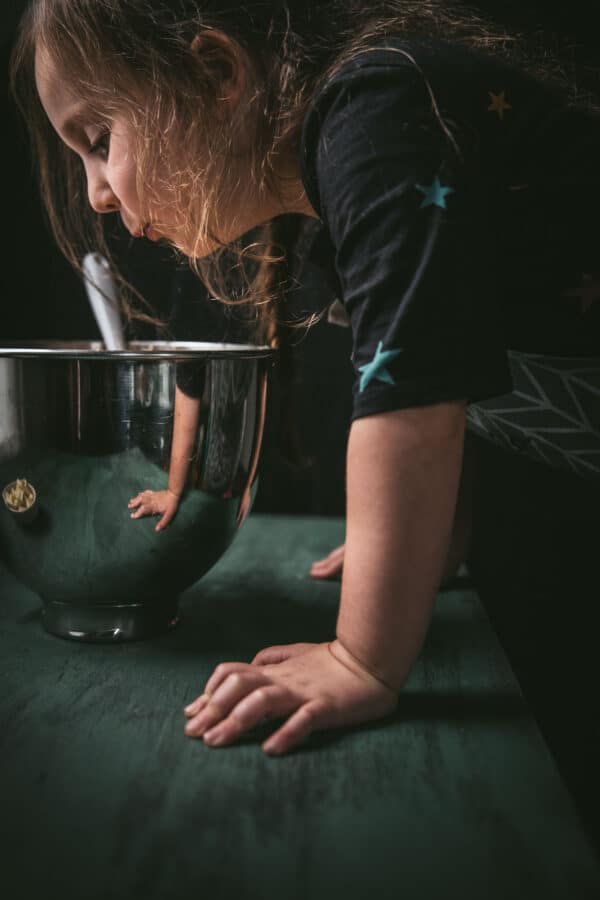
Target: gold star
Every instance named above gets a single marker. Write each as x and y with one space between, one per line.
589 291
498 104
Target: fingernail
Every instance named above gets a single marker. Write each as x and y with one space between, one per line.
196 705
214 737
198 723
270 746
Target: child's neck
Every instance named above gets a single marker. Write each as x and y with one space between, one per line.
291 196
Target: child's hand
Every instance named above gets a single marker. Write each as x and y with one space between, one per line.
306 683
155 503
331 566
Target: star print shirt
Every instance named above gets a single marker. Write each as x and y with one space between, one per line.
449 186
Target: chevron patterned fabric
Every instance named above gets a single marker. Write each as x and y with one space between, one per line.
552 415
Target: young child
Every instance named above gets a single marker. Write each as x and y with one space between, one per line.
456 195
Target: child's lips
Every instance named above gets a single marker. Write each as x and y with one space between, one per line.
145 231
134 232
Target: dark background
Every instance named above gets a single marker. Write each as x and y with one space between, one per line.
537 531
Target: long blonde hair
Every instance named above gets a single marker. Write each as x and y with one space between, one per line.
135 57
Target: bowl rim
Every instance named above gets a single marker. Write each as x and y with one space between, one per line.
136 350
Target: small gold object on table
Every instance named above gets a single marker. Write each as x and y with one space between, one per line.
20 499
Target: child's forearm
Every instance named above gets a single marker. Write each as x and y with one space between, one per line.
403 476
185 424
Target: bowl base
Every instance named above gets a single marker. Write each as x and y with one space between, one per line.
109 624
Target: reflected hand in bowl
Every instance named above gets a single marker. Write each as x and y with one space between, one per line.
155 503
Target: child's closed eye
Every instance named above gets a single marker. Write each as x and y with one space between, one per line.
101 145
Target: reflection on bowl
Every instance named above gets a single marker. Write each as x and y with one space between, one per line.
20 500
91 429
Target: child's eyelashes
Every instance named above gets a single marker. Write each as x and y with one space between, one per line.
101 145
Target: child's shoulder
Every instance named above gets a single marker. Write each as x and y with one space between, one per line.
449 66
413 79
403 95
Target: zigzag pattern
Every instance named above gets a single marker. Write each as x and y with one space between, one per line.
552 415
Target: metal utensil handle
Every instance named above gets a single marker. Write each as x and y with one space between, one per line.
102 293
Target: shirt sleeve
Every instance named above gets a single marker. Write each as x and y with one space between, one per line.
407 220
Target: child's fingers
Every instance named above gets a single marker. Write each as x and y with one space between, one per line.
270 701
222 671
335 555
144 504
279 653
331 566
165 520
193 708
271 655
297 728
227 696
327 573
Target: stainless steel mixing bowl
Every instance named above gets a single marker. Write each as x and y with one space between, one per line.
89 429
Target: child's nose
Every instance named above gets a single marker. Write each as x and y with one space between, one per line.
101 197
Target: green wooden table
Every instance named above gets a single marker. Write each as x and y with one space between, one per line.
102 795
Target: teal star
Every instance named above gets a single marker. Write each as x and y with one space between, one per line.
434 194
377 367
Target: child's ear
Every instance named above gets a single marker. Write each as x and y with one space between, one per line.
225 58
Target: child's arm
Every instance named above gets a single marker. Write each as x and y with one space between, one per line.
165 503
403 475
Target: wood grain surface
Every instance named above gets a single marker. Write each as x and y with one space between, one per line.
104 798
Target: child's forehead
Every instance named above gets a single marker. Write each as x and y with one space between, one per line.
61 93
67 109
46 68
51 79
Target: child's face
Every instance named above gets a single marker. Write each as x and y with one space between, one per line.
107 154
